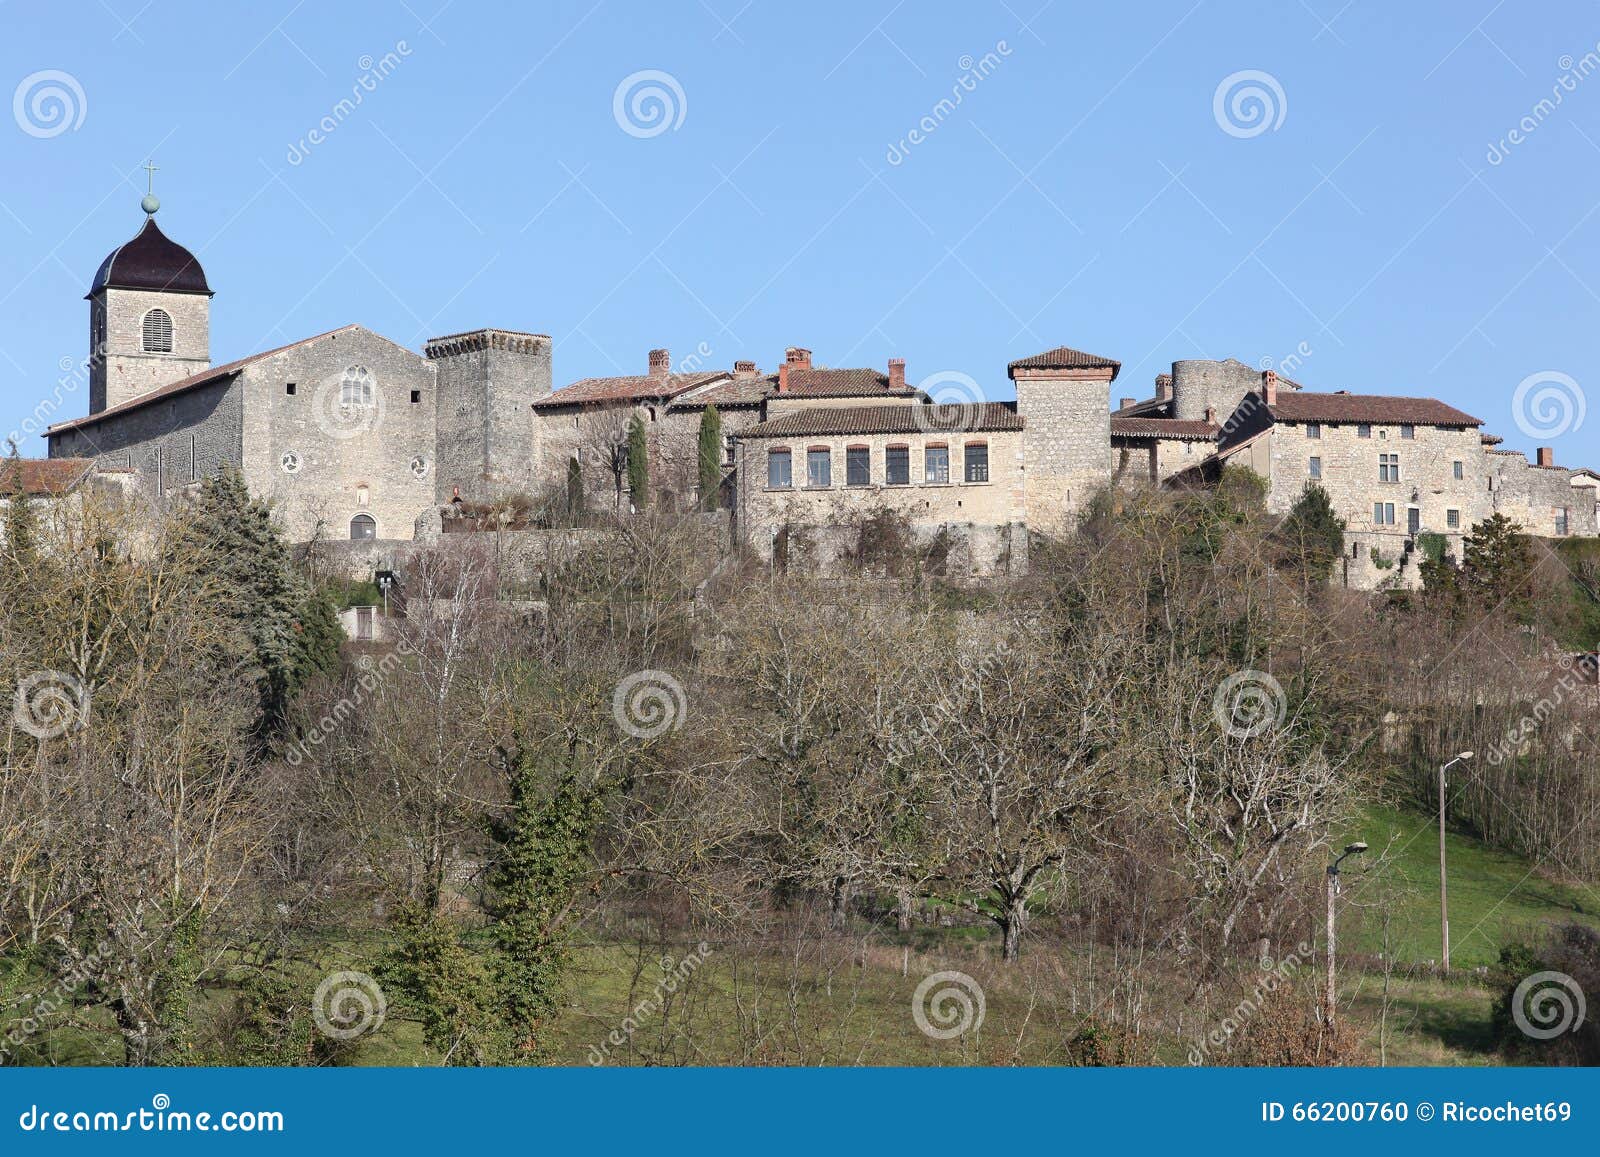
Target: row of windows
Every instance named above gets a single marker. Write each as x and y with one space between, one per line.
1388 468
1363 430
1383 515
858 466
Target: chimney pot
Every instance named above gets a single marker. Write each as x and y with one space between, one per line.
1164 387
744 369
660 363
1547 456
1269 387
797 357
897 373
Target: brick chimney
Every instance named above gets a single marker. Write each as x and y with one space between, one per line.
744 369
660 363
1547 456
799 358
1269 387
897 373
783 378
1164 387
1124 403
1211 415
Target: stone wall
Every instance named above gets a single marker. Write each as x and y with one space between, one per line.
1199 385
1534 496
1066 444
1350 474
488 433
170 443
980 514
342 461
127 371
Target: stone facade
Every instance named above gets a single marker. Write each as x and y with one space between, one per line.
127 370
1067 441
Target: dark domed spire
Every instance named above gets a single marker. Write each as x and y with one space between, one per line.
151 261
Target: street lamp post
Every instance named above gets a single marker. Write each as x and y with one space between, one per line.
1444 905
1333 890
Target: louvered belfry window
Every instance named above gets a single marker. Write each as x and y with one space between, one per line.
157 332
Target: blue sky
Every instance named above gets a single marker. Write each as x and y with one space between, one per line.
1083 191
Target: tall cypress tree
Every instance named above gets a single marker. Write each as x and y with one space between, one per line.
710 458
638 463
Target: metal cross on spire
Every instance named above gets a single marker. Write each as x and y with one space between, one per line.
150 203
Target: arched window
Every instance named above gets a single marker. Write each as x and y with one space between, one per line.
355 387
362 527
157 332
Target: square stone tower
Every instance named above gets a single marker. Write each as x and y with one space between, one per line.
488 434
1064 395
149 318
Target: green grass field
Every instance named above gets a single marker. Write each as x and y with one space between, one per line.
1494 896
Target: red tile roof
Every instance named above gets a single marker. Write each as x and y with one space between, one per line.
194 382
837 421
1183 430
845 383
738 392
1303 406
1064 358
43 476
627 388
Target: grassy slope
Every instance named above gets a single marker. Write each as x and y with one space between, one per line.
1494 896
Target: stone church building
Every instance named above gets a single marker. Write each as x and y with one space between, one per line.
351 436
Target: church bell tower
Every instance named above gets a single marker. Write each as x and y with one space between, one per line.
149 316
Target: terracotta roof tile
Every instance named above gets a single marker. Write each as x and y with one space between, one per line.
1064 358
843 383
747 391
1184 430
627 388
834 421
1303 406
43 476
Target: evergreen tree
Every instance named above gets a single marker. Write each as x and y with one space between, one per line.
710 458
22 520
638 463
442 982
320 636
1312 537
262 596
1498 564
544 854
574 487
